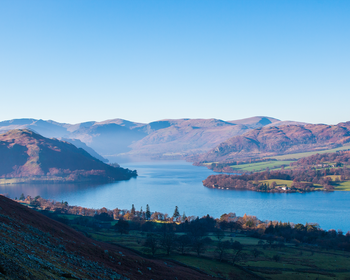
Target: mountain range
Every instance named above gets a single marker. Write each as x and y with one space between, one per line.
278 140
159 139
191 139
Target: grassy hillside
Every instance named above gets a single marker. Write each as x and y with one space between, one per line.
259 166
276 261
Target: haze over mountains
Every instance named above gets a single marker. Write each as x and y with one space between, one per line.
193 139
28 156
113 138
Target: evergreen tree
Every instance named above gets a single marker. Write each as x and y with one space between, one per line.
176 212
22 197
184 217
148 212
141 213
133 209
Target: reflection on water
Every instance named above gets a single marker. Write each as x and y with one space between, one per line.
164 185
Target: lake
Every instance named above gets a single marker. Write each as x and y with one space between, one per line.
166 184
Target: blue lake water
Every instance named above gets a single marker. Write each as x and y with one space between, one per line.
164 185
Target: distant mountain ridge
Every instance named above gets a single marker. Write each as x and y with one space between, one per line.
284 139
26 155
118 137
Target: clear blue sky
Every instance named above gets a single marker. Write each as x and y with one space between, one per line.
74 61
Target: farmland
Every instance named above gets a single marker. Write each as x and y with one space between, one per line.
260 166
269 261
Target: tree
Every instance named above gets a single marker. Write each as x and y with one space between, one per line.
234 226
219 234
199 246
176 212
276 258
249 223
122 226
222 248
183 242
237 248
168 242
142 214
133 209
22 197
256 253
273 185
151 243
148 212
270 240
184 217
103 217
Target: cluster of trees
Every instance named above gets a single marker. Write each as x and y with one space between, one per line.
226 166
304 179
194 239
194 230
339 158
192 236
301 234
102 213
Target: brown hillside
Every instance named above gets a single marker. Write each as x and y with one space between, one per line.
271 140
35 247
190 136
25 154
163 138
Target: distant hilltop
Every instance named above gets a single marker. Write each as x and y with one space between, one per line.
163 139
285 139
190 139
26 157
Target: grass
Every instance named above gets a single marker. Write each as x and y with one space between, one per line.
339 186
212 267
343 186
295 262
258 166
306 154
287 183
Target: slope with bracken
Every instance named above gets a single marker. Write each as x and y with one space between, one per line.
28 156
33 246
285 139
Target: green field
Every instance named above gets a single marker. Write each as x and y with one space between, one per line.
343 186
306 154
287 183
258 166
300 262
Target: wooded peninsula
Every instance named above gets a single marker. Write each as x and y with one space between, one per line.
324 172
